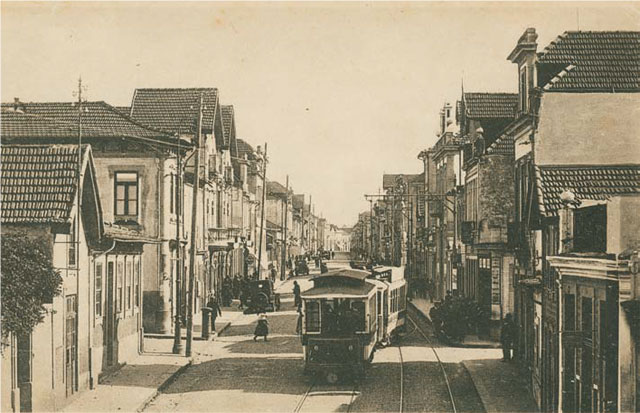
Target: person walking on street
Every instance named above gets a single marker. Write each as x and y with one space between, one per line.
262 328
215 311
296 294
506 337
299 322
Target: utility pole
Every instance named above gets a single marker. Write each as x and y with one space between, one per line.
77 230
302 237
371 230
284 240
177 328
309 226
264 195
194 212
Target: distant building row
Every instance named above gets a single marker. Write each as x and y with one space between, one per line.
528 204
116 213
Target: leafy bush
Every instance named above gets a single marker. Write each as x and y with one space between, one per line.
28 282
458 317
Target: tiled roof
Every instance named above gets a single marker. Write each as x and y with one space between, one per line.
124 109
490 105
59 120
275 188
503 146
594 182
227 122
245 148
39 182
174 110
600 61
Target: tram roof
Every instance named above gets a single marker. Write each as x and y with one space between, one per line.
339 291
344 272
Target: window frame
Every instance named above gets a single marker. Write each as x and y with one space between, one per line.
72 245
98 290
126 200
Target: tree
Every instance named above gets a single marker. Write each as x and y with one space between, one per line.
29 281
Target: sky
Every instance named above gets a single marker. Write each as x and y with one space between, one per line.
342 92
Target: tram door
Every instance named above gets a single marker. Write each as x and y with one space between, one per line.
379 314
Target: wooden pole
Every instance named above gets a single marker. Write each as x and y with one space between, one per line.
194 212
284 235
264 194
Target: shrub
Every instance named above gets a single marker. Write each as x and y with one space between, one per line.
28 282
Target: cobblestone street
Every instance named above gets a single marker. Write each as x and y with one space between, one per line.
236 373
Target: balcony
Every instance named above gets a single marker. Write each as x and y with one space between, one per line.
223 234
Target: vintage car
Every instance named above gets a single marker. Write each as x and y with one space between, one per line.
301 267
261 297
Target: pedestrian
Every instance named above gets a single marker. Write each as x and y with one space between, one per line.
506 337
235 286
262 328
299 322
296 294
215 311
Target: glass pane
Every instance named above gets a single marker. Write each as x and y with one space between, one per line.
119 207
132 191
132 208
126 176
120 192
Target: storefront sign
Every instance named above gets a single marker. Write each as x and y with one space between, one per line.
496 271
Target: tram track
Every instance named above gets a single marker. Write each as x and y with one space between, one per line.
440 363
313 391
401 379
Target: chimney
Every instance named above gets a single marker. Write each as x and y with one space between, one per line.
18 106
526 46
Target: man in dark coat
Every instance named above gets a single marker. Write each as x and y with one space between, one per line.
296 294
507 335
215 311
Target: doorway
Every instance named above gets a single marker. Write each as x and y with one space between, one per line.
71 354
109 322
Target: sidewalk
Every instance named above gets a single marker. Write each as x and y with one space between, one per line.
131 387
229 315
500 385
135 384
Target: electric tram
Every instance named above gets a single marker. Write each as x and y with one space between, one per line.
346 314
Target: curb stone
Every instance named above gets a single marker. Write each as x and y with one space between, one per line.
164 385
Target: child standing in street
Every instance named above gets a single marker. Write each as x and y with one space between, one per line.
262 328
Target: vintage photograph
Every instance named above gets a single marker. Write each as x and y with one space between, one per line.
320 206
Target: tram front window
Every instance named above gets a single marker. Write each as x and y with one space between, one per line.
343 316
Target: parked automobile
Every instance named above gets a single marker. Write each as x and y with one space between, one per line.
262 297
301 267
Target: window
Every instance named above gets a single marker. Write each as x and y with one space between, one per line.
119 288
523 89
590 229
126 190
73 247
98 289
129 277
313 316
172 194
136 269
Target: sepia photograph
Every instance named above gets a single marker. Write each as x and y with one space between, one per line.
320 206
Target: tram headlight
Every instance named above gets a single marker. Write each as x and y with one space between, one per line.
315 348
350 347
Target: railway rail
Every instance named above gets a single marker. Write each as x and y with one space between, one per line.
440 363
